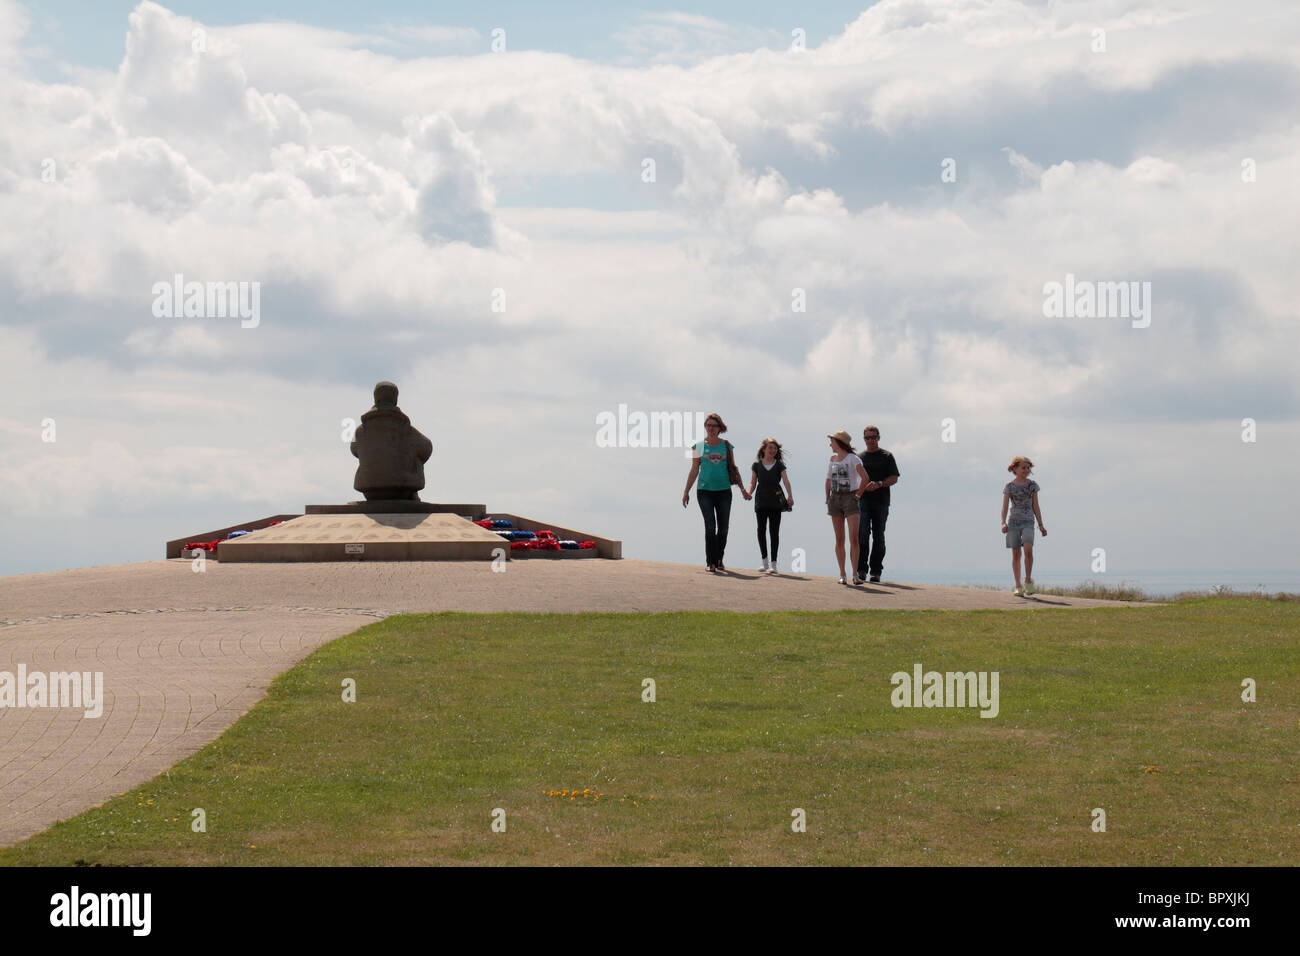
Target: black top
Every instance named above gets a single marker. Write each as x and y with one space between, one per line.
878 465
769 481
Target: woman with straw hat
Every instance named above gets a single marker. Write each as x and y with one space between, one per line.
844 476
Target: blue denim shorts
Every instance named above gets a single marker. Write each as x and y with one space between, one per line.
1019 535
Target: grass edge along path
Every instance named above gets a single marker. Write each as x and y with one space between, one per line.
530 739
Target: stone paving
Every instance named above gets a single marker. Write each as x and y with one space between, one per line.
185 654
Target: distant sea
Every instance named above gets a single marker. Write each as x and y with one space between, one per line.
1154 583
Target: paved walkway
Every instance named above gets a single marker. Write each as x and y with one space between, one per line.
184 654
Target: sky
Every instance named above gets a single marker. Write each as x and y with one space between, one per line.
529 215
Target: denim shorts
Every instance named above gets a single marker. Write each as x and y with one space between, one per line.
1019 535
843 503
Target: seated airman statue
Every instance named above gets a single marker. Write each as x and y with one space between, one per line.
391 452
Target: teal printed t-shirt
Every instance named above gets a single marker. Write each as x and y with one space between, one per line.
714 475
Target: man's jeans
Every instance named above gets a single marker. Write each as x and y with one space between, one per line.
716 506
871 527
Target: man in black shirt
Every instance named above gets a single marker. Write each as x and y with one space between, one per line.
873 504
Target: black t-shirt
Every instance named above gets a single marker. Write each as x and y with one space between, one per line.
769 481
878 465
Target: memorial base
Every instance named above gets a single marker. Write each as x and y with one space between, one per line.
355 532
366 537
398 506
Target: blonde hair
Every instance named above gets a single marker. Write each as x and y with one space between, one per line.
780 455
1020 459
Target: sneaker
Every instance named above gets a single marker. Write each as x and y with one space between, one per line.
720 567
772 569
712 569
1029 585
856 580
764 567
875 579
1019 591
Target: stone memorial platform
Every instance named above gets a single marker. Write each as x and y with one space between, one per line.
361 537
392 523
359 532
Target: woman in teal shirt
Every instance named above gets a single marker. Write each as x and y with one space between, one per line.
712 462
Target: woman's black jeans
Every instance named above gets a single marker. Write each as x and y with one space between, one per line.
716 506
768 518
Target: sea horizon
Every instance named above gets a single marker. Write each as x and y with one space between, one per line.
1157 583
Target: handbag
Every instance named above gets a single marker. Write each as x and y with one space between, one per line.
732 471
781 499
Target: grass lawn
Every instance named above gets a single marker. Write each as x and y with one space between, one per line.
1134 710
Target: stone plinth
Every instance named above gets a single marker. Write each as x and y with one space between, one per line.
398 506
177 545
366 537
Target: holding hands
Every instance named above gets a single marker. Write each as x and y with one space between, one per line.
870 486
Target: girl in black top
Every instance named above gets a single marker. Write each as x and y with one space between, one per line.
769 474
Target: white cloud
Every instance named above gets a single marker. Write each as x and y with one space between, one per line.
820 202
677 37
364 192
183 342
1029 171
456 201
14 21
446 39
149 173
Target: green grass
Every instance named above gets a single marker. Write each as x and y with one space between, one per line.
1127 592
1104 592
1134 710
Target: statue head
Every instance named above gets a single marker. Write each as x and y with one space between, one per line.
385 395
